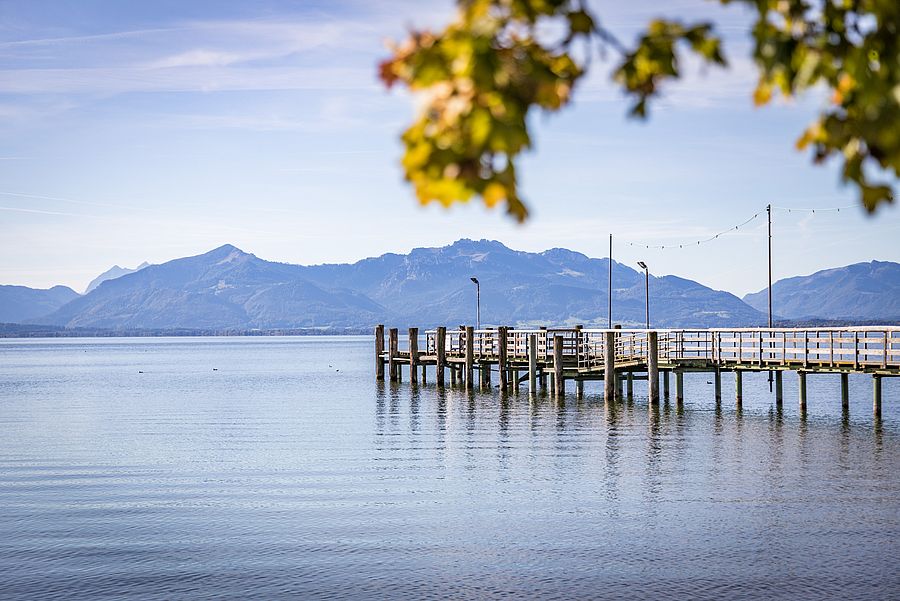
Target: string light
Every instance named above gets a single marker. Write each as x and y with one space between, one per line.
735 228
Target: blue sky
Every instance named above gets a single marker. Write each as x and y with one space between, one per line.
133 131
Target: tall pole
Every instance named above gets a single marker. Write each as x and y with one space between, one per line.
609 307
478 305
647 293
769 215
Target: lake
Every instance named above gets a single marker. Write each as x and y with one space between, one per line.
230 468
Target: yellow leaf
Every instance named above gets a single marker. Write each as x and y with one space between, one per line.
763 93
494 193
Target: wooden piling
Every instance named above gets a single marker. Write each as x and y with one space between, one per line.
609 373
393 366
801 388
470 358
679 387
845 391
440 350
629 394
718 382
876 396
559 383
738 387
413 355
653 367
532 363
379 352
666 384
502 363
779 389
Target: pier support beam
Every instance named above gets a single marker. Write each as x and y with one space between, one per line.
453 376
501 361
779 389
484 375
532 364
609 374
845 391
738 387
559 383
629 390
679 387
666 384
413 355
393 366
379 352
470 358
718 379
801 387
579 389
653 367
876 396
440 350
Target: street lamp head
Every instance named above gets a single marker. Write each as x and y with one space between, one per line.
642 265
474 280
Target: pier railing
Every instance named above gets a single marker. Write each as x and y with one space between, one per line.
854 347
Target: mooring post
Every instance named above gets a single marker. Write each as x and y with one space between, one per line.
666 384
379 352
501 350
653 367
718 380
440 351
413 355
484 374
845 391
801 387
393 366
630 389
738 387
559 384
470 357
532 363
876 400
679 387
609 365
453 375
779 390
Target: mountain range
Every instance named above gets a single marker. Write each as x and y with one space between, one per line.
112 273
229 288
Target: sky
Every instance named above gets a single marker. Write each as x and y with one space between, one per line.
148 131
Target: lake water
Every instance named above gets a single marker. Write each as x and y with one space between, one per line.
278 468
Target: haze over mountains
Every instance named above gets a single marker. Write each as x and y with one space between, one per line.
228 288
112 273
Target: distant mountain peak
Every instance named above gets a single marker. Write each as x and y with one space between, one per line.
112 273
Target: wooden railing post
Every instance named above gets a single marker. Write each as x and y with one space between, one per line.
440 350
501 359
532 363
379 352
393 366
413 355
559 384
653 367
609 364
470 357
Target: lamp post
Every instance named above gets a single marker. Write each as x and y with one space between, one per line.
643 266
477 303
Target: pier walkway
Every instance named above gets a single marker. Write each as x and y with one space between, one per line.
550 356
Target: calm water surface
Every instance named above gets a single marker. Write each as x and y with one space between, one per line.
277 468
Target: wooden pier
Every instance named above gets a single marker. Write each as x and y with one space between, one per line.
547 358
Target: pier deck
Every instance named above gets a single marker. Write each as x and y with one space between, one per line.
551 356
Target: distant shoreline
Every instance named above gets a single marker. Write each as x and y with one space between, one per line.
14 330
